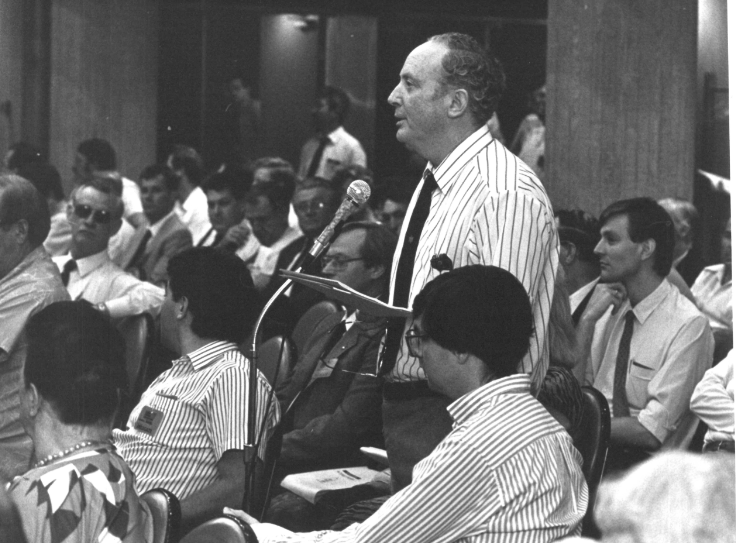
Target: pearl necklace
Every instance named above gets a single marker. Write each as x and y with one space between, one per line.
56 456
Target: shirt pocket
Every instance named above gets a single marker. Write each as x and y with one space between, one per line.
637 389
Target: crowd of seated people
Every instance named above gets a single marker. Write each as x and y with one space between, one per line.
509 308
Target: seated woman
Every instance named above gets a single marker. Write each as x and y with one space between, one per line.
79 490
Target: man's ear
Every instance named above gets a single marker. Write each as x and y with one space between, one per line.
458 102
648 247
377 271
33 399
182 307
568 253
21 231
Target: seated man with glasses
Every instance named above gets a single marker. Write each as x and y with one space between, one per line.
332 397
95 214
507 470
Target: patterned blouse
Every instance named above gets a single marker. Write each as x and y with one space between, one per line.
88 496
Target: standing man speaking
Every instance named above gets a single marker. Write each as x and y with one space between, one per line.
477 204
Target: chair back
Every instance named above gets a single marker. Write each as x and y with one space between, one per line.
592 441
275 358
265 474
136 331
306 324
225 529
166 514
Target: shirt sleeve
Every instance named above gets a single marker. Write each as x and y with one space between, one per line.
135 298
711 401
132 199
669 391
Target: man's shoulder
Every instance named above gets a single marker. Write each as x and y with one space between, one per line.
677 308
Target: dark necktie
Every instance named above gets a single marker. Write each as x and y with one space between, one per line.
140 251
620 402
405 270
202 241
69 267
317 157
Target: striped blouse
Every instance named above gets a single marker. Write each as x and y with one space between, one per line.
489 209
507 472
189 416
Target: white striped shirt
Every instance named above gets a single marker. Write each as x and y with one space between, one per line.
189 416
507 472
489 209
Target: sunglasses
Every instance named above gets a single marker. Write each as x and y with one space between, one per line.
99 216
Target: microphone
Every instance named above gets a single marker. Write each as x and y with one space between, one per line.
358 193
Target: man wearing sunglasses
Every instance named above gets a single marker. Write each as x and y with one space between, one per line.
29 281
332 398
507 471
95 214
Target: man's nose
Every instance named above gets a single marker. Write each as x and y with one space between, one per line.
393 98
599 248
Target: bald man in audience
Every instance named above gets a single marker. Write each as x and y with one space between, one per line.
648 345
29 281
95 215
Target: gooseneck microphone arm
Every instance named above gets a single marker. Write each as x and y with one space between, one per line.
358 193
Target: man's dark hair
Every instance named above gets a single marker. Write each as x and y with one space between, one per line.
76 361
20 200
278 195
99 153
468 66
647 220
23 153
320 183
378 246
481 310
237 180
187 158
154 170
348 174
45 178
219 289
337 101
581 230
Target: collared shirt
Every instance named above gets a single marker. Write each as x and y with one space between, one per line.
98 280
29 287
194 214
489 209
713 297
262 260
579 295
191 415
155 228
342 150
507 472
713 400
671 348
131 197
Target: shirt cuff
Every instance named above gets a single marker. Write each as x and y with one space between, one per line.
654 418
270 532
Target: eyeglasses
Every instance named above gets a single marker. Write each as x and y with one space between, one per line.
414 341
338 262
304 207
99 216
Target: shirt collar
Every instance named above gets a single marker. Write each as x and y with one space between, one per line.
445 172
464 407
204 356
335 134
647 306
90 263
195 197
156 227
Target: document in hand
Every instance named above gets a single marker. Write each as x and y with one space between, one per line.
346 295
313 484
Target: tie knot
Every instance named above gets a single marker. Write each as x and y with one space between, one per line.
70 266
630 316
429 181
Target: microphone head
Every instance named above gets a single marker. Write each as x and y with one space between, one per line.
359 192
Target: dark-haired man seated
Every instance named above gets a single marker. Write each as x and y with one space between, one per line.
507 470
188 432
648 345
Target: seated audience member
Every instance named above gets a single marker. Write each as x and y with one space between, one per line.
713 403
188 432
688 260
342 179
95 214
267 212
79 489
331 148
579 234
11 527
648 345
471 329
21 154
29 281
191 203
675 496
397 195
165 235
713 295
267 169
97 155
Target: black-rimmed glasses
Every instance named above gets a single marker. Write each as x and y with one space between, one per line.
99 216
338 262
414 341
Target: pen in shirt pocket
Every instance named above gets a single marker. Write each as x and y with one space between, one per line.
169 396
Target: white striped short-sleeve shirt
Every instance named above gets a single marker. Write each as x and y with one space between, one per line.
189 416
489 209
506 473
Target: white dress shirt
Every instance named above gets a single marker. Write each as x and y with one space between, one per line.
713 400
342 150
579 295
714 297
193 213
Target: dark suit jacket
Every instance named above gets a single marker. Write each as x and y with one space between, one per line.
333 413
173 238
